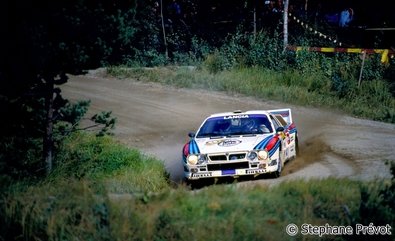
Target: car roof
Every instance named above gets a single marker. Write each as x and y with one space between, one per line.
238 112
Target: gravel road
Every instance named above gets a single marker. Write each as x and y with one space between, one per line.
156 119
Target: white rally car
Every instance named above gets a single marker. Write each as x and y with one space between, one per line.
241 143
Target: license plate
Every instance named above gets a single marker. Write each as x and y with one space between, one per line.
228 172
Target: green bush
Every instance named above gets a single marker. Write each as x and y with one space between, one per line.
245 50
214 63
72 203
85 156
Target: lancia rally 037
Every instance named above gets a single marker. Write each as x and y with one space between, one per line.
241 143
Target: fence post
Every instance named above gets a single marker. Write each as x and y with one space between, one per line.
363 63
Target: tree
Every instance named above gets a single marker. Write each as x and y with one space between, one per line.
42 41
285 19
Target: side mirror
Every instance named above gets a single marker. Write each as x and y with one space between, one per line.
280 129
191 134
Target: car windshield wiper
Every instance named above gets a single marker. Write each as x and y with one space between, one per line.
205 135
241 135
216 137
249 135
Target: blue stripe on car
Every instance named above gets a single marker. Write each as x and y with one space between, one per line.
261 145
193 147
294 130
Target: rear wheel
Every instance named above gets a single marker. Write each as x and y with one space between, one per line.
296 147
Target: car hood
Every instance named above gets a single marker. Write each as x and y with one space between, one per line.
228 144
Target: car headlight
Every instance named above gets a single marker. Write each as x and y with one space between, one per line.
192 160
202 159
263 155
251 155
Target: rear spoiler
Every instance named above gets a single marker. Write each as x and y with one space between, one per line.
286 114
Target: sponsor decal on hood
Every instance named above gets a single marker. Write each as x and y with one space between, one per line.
207 145
224 142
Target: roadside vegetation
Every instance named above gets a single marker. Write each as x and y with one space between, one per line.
143 207
259 68
73 201
57 182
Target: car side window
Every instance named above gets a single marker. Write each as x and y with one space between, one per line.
275 123
281 120
263 125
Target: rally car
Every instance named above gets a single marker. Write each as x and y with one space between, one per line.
241 143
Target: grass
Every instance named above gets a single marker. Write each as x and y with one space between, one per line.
373 99
73 201
74 210
105 191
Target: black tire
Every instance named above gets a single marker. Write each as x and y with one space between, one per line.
277 173
192 184
296 147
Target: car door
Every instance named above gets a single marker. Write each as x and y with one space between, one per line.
283 117
281 131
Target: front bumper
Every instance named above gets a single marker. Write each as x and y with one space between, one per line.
203 171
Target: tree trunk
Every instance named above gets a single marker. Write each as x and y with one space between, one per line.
48 136
286 2
254 20
163 29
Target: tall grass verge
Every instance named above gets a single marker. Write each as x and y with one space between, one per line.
73 202
373 99
74 210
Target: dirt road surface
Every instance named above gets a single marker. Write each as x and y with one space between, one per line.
156 120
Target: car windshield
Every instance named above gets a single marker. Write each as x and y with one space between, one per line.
235 125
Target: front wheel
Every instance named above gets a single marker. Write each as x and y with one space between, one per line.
277 173
192 184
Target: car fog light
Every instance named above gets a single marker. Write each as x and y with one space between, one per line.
262 166
273 162
192 160
194 170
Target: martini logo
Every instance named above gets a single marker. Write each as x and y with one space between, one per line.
229 143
